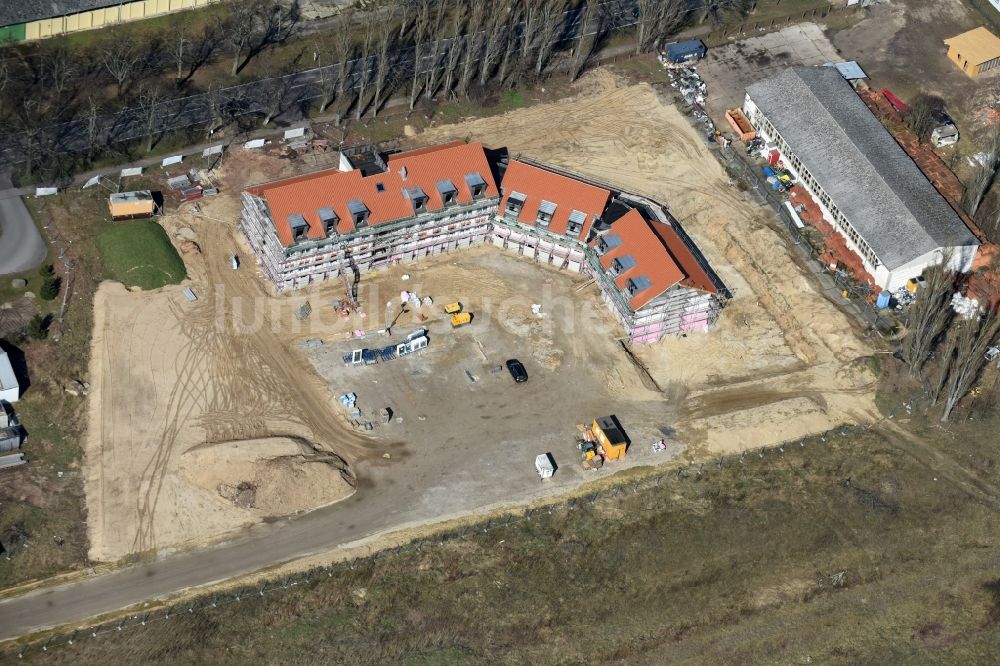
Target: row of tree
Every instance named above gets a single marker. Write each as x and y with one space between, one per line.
945 351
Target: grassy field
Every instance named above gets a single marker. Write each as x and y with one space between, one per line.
139 254
856 547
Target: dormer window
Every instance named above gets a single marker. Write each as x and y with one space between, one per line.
329 220
634 285
545 212
299 226
359 213
605 243
448 192
576 222
515 202
418 198
622 264
477 186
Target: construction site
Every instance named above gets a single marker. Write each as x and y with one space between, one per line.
221 403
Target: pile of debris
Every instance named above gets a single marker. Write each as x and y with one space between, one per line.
964 306
686 80
243 495
192 185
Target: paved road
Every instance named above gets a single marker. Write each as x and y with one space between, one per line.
21 246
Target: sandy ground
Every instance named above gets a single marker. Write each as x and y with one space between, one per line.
781 353
168 376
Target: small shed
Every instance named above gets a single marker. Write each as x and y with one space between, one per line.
692 49
975 51
131 205
611 436
9 389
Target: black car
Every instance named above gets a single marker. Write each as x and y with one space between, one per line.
517 370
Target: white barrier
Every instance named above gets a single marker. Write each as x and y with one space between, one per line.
167 161
45 191
256 143
212 150
133 171
297 133
90 183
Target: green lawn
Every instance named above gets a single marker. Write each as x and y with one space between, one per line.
139 254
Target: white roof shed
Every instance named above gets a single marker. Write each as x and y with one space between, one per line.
9 390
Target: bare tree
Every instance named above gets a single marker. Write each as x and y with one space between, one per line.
60 67
437 32
455 47
121 58
495 43
966 356
660 17
921 114
510 45
421 26
473 42
985 173
590 28
548 33
275 95
179 44
342 46
383 62
929 315
369 29
240 29
149 104
93 110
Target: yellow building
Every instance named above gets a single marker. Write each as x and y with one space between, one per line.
975 51
30 21
131 205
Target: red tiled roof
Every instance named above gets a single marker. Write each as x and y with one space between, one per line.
660 256
305 195
566 193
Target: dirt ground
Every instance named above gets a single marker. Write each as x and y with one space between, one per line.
729 69
191 400
783 361
178 392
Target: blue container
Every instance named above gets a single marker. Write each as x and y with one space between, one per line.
883 299
681 51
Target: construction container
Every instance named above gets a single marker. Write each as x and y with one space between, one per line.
461 319
453 308
544 466
611 437
741 124
692 49
131 205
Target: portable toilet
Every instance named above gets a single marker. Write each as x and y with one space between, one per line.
611 437
883 299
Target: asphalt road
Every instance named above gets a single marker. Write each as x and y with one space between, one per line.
21 246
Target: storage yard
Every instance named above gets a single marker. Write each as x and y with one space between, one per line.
203 401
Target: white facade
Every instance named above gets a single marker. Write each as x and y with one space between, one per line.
9 390
962 257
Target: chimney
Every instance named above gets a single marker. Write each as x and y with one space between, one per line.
402 173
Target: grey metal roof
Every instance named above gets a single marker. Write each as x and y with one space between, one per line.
474 179
357 206
13 12
297 221
850 70
445 186
577 217
873 182
547 207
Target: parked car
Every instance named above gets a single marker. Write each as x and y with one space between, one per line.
517 370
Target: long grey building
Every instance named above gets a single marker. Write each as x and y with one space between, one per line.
868 188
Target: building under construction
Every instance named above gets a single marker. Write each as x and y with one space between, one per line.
373 212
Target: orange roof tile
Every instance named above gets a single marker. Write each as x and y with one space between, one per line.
566 193
659 255
305 195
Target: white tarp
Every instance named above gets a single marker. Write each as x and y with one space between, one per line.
45 191
90 183
176 159
132 171
212 150
296 133
256 143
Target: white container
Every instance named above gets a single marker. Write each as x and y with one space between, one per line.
544 466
